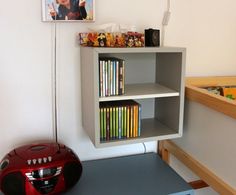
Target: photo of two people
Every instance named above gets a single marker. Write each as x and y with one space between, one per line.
68 10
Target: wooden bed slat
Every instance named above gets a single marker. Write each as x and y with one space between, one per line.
199 169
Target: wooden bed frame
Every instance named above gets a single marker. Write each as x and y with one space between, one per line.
195 92
208 178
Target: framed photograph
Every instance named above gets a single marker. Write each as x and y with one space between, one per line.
68 10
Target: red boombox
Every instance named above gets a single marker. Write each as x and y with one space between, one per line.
48 168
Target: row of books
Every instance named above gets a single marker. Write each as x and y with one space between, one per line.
119 120
111 77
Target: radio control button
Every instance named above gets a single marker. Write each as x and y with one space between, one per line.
29 162
34 161
50 159
44 159
39 160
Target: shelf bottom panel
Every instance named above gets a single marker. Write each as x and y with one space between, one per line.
151 130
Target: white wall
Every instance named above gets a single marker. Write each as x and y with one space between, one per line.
25 60
206 28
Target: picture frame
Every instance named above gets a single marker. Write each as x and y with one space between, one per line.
68 10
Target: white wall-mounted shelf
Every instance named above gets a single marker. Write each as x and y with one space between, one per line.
154 77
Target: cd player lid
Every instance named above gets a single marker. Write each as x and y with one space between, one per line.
37 150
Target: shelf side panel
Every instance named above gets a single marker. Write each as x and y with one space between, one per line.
167 110
170 72
89 93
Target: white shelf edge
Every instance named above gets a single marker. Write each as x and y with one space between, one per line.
142 91
137 140
138 49
125 97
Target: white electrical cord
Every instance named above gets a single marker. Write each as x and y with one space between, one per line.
145 148
54 82
168 5
165 22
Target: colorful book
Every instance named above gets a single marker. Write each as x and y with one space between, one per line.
111 76
104 123
114 122
131 121
108 124
128 122
104 78
105 81
111 125
100 79
101 123
139 121
117 77
120 78
120 119
119 123
125 122
114 77
135 121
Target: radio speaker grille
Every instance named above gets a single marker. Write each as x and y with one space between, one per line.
13 183
72 172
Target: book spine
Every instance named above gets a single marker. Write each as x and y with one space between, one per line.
100 78
139 120
120 78
114 122
123 77
114 77
131 121
128 121
103 79
120 123
134 121
125 122
108 124
101 123
108 78
111 78
117 77
111 125
117 122
104 123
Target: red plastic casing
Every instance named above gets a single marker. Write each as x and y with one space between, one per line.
18 162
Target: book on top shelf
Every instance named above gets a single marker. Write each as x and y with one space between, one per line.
111 77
